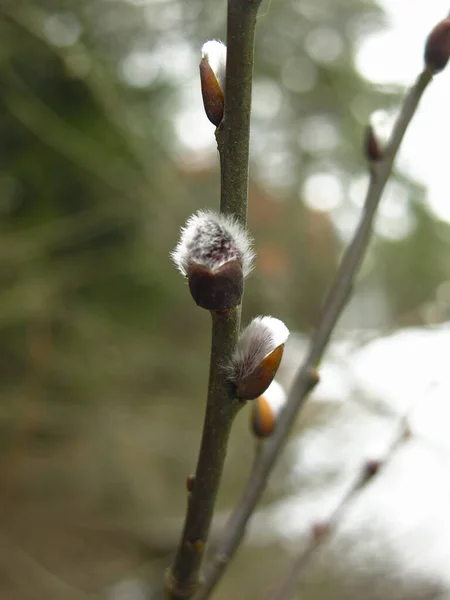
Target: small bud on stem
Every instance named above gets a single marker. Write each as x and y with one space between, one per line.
265 410
257 357
437 47
212 78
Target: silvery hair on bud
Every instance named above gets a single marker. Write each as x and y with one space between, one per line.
212 239
215 53
257 341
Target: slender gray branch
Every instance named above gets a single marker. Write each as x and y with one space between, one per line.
334 304
322 531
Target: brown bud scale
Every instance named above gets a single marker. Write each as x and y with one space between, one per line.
217 290
262 418
258 381
371 145
190 483
212 93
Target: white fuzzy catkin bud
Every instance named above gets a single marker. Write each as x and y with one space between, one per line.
257 341
215 53
211 239
257 357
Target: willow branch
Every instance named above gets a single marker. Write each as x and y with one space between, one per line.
183 578
221 409
334 304
233 134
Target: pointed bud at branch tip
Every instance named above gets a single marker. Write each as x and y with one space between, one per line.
266 409
215 254
257 357
437 47
212 79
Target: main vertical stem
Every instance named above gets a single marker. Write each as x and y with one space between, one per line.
221 409
183 578
233 135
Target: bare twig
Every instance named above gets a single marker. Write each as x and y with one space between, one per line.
334 304
183 578
322 531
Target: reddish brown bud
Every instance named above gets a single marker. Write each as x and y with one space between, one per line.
437 46
257 357
212 77
190 482
218 290
371 468
266 409
215 254
262 418
372 147
257 382
213 97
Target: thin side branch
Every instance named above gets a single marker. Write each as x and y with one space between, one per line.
183 579
334 304
321 531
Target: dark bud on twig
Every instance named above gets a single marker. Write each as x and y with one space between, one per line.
215 254
190 483
212 78
257 357
221 289
371 145
371 468
437 47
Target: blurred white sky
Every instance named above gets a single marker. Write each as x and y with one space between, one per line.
396 56
400 521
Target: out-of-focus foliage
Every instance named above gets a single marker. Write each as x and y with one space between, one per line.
104 357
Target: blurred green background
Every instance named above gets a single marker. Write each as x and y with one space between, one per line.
104 356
